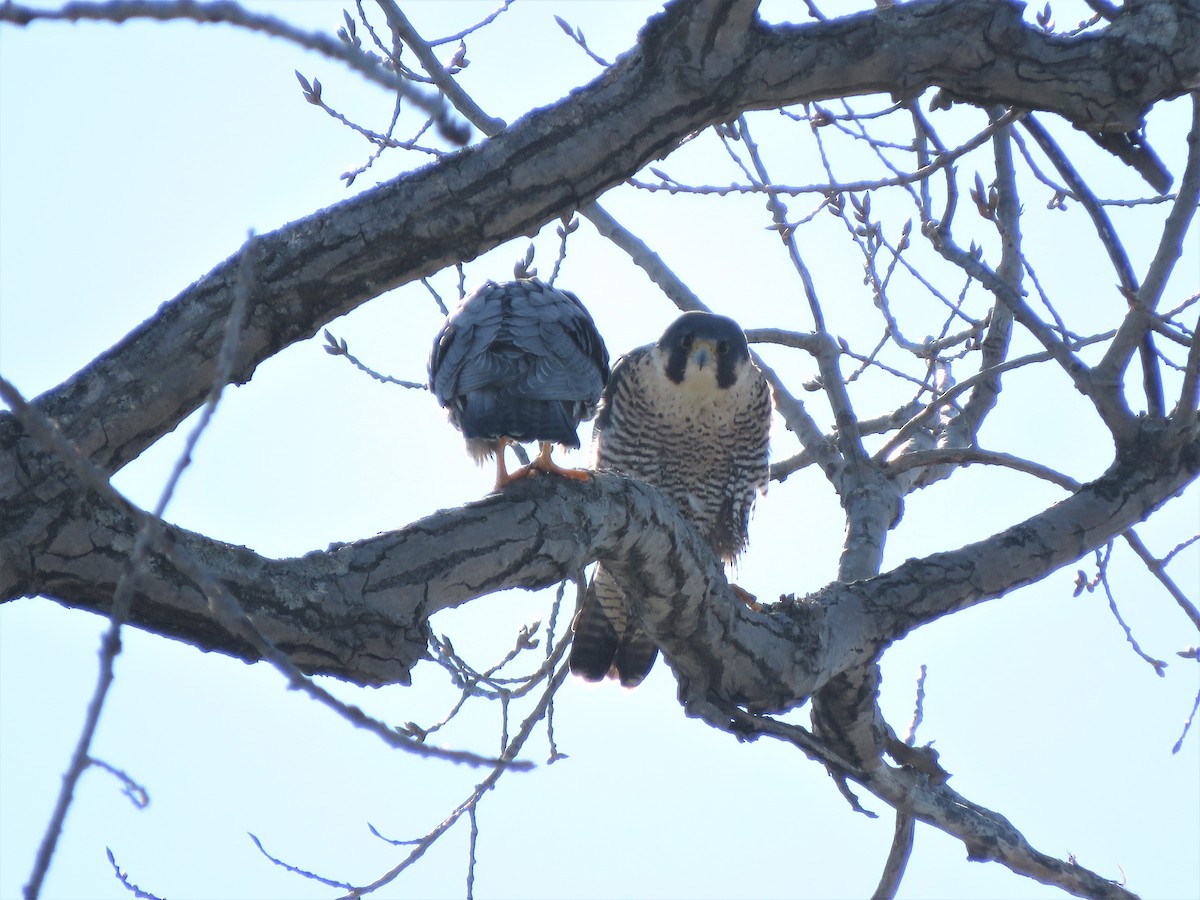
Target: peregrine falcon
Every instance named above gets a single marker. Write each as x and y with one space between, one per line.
518 362
690 414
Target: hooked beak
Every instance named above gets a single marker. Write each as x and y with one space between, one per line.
703 354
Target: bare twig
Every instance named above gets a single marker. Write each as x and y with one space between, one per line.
136 793
906 825
917 176
472 843
403 28
1189 392
230 13
508 759
953 393
1104 8
123 877
1131 148
1063 193
1170 249
46 432
314 94
918 716
338 347
1102 559
1187 723
779 215
996 342
1158 570
222 603
1100 220
898 857
987 834
296 870
1151 376
550 674
966 456
231 615
683 297
1179 548
565 230
1111 409
470 29
576 35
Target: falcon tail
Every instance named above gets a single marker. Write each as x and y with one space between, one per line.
595 644
635 657
487 414
607 643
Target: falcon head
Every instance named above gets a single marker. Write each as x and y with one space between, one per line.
703 349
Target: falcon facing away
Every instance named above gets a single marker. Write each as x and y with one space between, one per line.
690 414
518 362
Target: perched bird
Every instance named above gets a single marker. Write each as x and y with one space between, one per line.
690 414
519 362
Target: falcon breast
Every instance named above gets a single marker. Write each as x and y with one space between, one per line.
690 414
518 362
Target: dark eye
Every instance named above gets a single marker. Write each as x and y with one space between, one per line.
686 342
723 347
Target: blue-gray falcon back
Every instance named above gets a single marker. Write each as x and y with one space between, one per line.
518 362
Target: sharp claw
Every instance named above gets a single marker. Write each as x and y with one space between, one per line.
748 598
541 463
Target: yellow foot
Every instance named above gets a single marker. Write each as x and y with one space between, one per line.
544 463
748 598
541 463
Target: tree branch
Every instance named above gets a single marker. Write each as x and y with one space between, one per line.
230 13
987 835
965 456
994 58
1170 249
361 611
680 78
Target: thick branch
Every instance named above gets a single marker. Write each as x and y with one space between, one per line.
987 835
688 71
232 14
982 51
1170 250
361 611
918 789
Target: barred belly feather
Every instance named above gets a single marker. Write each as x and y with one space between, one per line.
691 415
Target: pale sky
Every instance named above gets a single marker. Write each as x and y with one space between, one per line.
133 159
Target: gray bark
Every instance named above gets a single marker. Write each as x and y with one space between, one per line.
360 611
694 65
